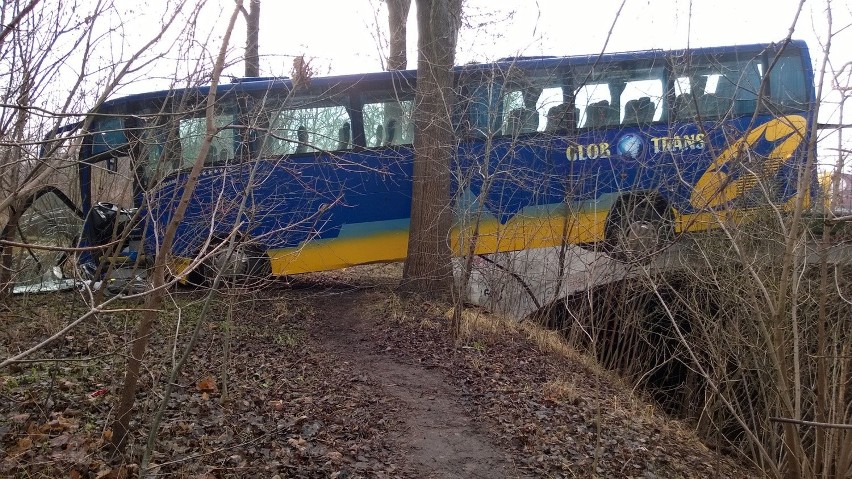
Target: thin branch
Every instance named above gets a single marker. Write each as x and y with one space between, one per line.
57 335
831 425
15 21
45 247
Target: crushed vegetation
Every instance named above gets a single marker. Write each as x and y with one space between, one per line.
307 394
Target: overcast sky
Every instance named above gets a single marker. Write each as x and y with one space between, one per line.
343 35
350 36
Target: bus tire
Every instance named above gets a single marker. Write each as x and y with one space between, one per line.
248 266
638 228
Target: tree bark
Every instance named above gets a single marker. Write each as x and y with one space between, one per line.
252 41
6 259
428 270
397 20
154 300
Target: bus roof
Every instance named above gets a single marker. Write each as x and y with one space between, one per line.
260 84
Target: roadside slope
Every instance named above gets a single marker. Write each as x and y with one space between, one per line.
335 376
526 410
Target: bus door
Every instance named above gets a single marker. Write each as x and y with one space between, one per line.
111 184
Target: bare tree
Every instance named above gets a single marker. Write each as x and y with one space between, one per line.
397 23
427 267
154 300
252 43
39 45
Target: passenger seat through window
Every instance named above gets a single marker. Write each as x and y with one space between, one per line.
598 114
639 111
561 118
303 138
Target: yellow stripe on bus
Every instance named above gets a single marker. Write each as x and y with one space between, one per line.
520 232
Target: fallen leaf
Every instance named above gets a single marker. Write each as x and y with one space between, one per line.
19 418
24 444
103 473
297 443
60 441
99 392
34 431
58 425
206 385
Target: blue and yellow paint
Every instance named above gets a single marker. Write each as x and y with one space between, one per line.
514 222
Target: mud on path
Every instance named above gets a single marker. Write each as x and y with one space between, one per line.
436 436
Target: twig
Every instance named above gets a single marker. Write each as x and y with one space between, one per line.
811 423
55 336
838 219
68 360
59 248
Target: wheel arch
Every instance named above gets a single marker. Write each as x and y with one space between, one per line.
628 200
255 254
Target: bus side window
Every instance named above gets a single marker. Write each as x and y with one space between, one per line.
561 118
192 132
684 106
737 88
515 101
480 109
303 139
642 98
599 114
388 123
690 100
521 120
593 102
344 136
639 111
519 115
710 104
714 88
158 149
305 130
554 114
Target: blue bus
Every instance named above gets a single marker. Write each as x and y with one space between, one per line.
615 149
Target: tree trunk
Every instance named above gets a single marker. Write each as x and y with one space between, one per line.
6 259
428 270
154 299
252 42
397 20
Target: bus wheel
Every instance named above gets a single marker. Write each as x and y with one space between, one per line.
637 230
247 266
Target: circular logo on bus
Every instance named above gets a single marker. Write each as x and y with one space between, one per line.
631 146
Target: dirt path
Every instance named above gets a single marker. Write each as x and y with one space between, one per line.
437 437
334 376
